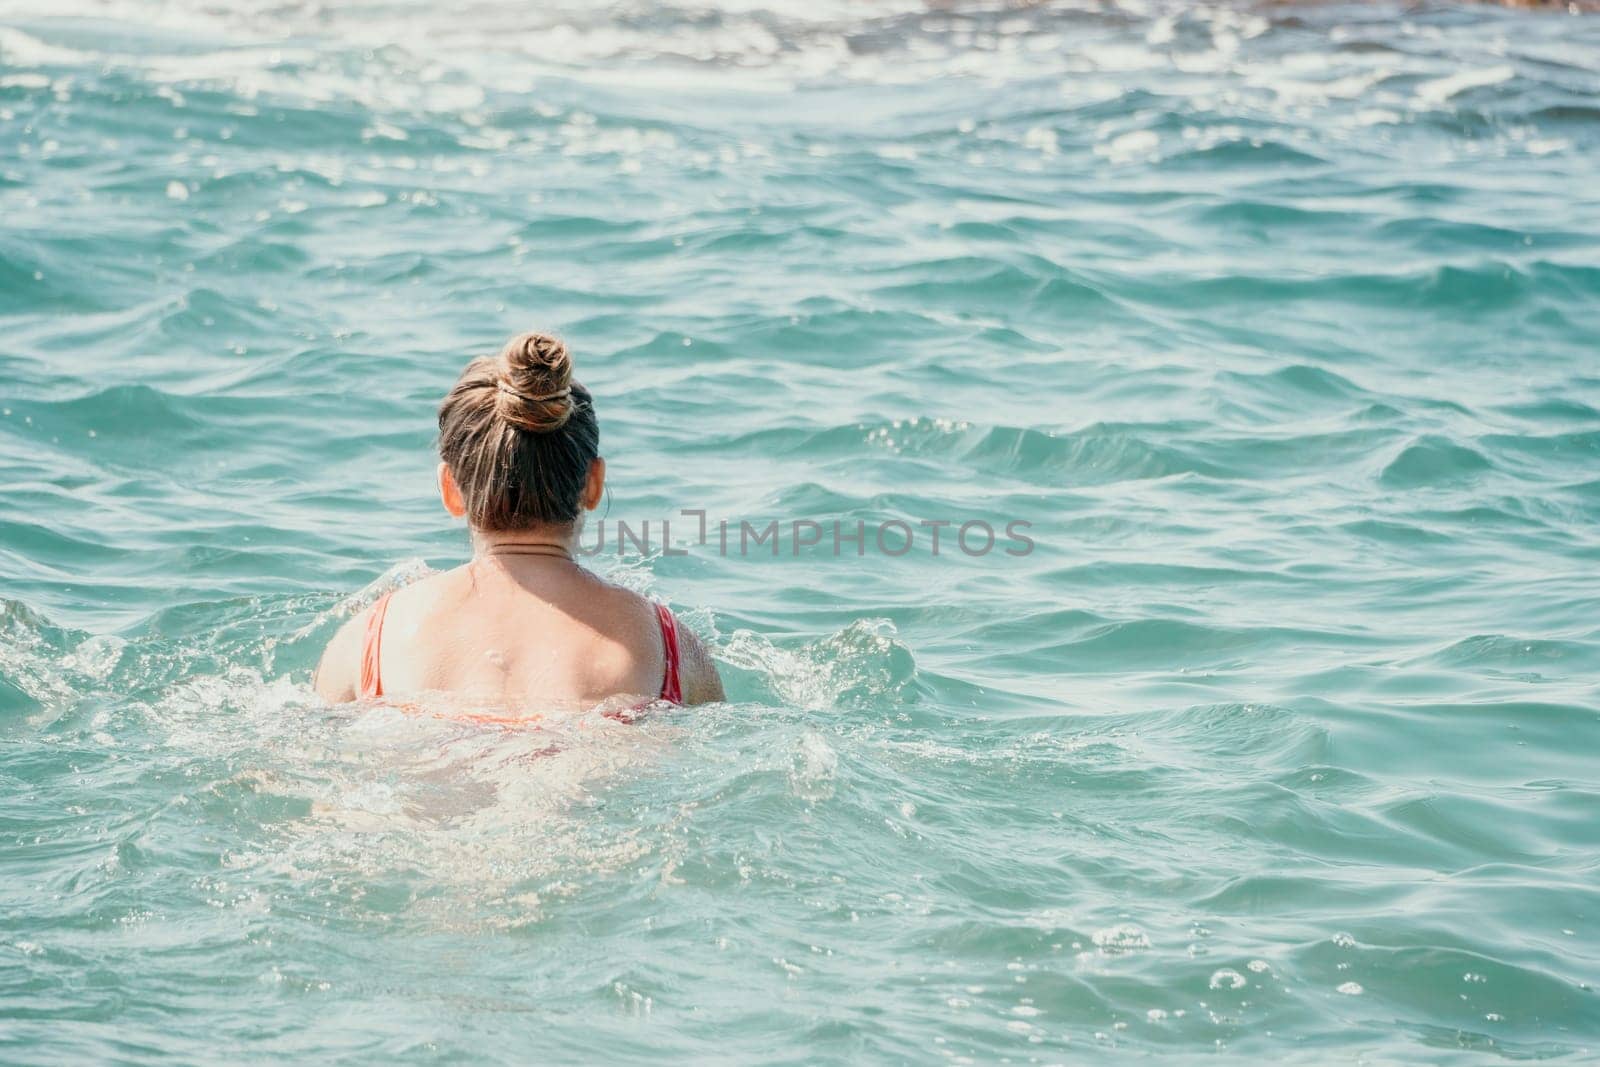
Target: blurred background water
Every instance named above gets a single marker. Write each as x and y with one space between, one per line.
1278 323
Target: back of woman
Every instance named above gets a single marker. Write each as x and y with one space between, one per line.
522 624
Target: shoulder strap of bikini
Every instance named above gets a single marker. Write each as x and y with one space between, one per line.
371 682
671 683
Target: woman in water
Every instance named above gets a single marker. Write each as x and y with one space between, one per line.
522 623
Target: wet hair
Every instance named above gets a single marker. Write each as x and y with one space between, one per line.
519 435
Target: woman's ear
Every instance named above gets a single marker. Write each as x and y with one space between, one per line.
450 492
594 487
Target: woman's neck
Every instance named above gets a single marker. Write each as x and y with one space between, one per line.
539 541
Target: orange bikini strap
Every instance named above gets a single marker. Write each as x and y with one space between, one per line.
371 683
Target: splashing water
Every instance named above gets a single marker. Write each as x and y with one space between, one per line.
1276 324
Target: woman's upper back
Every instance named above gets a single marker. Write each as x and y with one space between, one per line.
552 635
519 450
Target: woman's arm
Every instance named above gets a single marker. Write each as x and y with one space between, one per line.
339 674
701 683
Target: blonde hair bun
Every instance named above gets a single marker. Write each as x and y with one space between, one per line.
534 389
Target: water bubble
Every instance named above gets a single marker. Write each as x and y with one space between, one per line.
1351 989
1227 978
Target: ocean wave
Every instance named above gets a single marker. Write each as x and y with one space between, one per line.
1434 461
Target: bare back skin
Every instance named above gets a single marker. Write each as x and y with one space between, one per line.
511 631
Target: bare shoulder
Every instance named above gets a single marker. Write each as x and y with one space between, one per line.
630 616
338 674
697 672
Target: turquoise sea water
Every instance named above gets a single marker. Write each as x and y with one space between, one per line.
1278 324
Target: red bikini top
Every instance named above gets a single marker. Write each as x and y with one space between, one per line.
372 683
